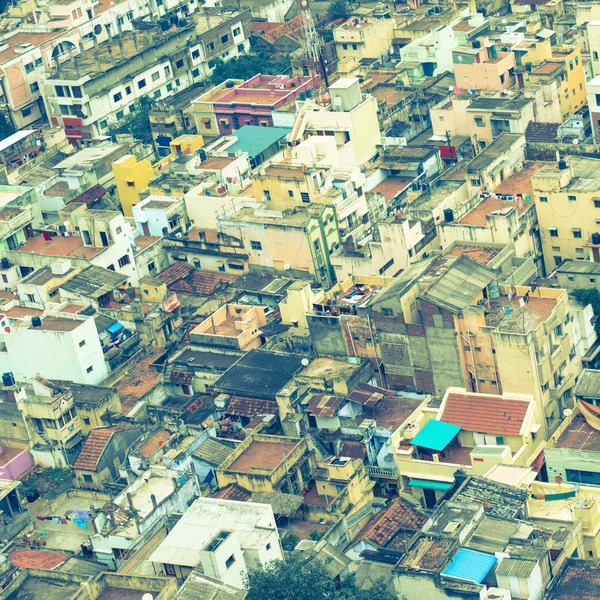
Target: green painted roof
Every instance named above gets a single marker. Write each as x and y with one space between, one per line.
436 435
429 485
255 140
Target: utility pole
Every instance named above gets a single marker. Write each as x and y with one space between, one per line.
454 158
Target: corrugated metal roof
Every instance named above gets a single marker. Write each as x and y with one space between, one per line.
436 435
470 565
459 285
579 266
429 485
588 384
212 452
515 567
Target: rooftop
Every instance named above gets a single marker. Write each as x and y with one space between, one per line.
507 315
36 587
580 581
262 455
426 554
45 560
503 143
71 246
588 384
586 267
496 415
208 521
262 371
93 448
579 436
498 499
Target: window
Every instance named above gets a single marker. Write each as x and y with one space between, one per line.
267 194
570 277
557 260
229 562
77 93
345 46
499 440
592 280
87 478
572 198
29 67
224 38
543 199
117 97
291 193
268 547
38 62
387 312
480 121
156 94
577 233
477 349
576 476
155 76
169 87
103 124
196 73
119 114
210 46
555 248
141 84
354 47
304 197
558 331
240 48
236 31
255 245
82 343
595 55
553 231
196 53
127 90
86 420
89 369
124 260
30 297
131 184
545 387
26 112
34 87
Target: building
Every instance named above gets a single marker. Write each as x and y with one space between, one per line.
235 103
568 189
131 178
224 538
57 345
97 88
363 37
267 463
160 216
101 455
481 66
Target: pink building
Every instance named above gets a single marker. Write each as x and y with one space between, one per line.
14 462
233 104
482 67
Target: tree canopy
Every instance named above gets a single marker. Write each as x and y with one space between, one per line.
137 123
589 296
339 9
5 127
301 578
244 67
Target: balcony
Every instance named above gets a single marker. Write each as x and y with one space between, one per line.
382 472
13 220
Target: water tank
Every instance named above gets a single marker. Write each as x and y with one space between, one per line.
448 215
5 263
562 164
36 322
8 380
595 238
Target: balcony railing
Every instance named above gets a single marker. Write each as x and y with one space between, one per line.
381 472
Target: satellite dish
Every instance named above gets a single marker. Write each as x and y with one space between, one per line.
567 412
147 596
576 141
558 479
287 266
305 362
66 223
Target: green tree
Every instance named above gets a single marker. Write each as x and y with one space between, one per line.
305 578
591 296
338 10
136 123
241 67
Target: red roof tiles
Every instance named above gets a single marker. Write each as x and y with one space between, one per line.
240 406
93 448
485 414
385 525
325 406
46 560
232 492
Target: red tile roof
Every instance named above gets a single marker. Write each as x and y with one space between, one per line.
232 492
46 560
93 448
293 28
367 395
322 405
485 414
386 525
239 406
173 273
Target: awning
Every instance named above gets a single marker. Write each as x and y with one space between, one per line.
429 485
470 565
115 327
436 435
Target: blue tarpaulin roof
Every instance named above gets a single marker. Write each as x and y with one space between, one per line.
436 435
470 565
114 327
255 140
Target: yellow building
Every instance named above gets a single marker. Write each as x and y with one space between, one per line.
269 463
574 85
568 209
341 486
131 178
363 37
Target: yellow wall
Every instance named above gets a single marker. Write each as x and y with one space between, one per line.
131 178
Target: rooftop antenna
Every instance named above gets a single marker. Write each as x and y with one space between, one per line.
314 52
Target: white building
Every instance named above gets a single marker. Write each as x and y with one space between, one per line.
223 537
53 344
160 216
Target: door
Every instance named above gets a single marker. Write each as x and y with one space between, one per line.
430 498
